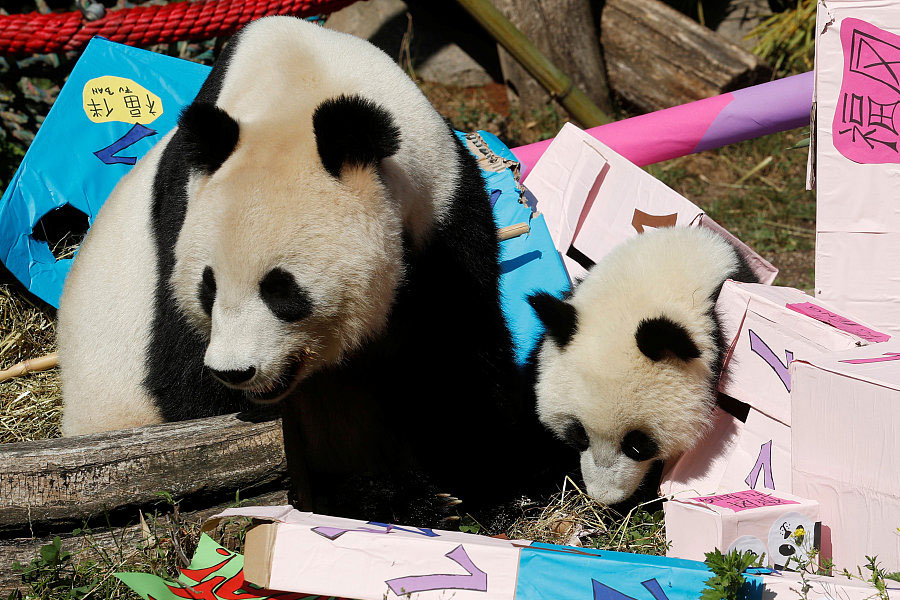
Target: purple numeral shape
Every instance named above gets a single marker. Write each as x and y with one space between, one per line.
764 464
333 533
134 135
758 346
476 580
604 592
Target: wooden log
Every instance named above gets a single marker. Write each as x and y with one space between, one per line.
564 31
70 479
656 57
117 541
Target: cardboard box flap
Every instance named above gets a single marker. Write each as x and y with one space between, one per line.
878 364
276 514
592 199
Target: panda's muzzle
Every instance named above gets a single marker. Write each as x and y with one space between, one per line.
234 377
282 386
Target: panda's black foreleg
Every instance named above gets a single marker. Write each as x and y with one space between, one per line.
410 498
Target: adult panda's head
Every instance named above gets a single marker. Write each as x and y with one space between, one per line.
627 369
291 248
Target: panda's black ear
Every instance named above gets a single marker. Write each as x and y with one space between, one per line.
661 335
560 318
209 135
351 130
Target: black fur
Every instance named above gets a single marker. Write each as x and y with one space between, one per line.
352 130
639 446
209 135
575 436
560 318
176 377
207 292
284 297
660 336
448 405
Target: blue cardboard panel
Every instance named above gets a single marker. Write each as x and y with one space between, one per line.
95 131
528 263
549 571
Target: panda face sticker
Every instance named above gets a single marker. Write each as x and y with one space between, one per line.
791 540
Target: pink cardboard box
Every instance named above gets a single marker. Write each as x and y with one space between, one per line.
786 586
857 136
766 327
312 554
774 525
592 199
846 449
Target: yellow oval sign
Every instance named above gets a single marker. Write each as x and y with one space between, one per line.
110 98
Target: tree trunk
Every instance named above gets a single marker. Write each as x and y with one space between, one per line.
57 481
564 31
656 57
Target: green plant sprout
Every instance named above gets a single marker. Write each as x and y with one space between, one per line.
729 582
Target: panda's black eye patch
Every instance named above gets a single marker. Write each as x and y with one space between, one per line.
639 446
284 296
575 436
207 292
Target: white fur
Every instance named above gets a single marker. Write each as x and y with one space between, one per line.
603 379
106 310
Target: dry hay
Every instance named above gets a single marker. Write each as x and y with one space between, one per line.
30 406
574 518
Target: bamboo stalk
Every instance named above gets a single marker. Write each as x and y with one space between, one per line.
511 231
31 365
557 83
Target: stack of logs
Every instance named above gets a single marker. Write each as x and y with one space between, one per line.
655 56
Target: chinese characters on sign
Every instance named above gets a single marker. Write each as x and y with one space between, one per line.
745 500
865 127
111 98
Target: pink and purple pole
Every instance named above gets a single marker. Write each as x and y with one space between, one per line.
702 125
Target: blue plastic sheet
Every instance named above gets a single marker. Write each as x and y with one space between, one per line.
548 571
74 160
528 263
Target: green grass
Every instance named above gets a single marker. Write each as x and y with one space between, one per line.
82 565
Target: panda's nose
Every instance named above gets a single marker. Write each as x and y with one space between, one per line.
234 377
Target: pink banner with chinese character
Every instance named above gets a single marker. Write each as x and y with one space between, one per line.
864 128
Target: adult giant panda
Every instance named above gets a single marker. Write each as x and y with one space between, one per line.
627 370
311 229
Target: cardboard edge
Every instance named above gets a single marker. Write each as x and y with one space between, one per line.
259 549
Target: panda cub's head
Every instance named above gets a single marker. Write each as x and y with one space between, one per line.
627 369
291 249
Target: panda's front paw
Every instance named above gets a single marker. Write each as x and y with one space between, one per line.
448 506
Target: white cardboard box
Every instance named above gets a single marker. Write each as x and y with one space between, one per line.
857 163
766 327
593 199
774 525
846 449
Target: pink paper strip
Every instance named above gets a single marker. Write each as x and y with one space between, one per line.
746 500
838 322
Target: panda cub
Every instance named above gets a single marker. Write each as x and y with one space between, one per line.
311 232
628 367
